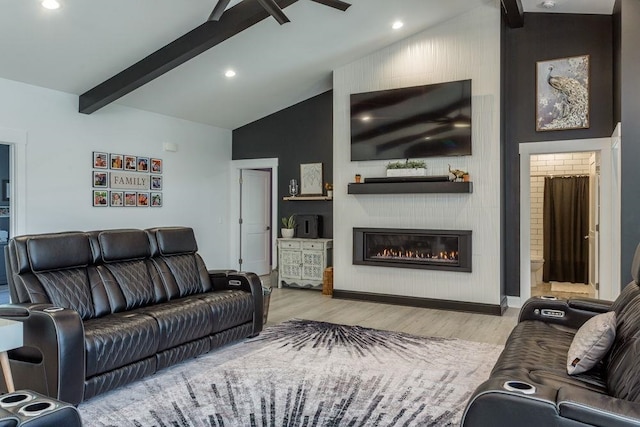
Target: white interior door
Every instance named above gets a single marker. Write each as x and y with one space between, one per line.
594 221
255 221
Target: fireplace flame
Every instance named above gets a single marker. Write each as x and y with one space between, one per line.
390 253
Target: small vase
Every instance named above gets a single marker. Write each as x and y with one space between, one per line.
287 233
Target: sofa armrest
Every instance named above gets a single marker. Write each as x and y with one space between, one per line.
248 282
594 408
53 340
557 311
591 304
492 405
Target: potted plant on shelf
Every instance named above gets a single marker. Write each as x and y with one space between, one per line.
288 228
329 188
407 168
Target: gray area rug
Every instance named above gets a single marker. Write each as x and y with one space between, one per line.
306 373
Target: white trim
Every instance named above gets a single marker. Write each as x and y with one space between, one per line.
608 240
514 302
234 205
17 139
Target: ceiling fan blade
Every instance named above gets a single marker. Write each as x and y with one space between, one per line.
274 10
221 6
337 4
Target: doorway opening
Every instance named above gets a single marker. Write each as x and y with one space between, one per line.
5 207
564 214
254 197
602 272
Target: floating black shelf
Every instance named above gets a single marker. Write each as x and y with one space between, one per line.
410 187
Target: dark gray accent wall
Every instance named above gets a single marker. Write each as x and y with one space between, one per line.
627 17
302 133
544 37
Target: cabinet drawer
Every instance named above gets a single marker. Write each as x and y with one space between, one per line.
289 245
313 245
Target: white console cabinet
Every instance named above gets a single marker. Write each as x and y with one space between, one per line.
301 262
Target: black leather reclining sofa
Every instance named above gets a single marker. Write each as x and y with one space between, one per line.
529 385
104 308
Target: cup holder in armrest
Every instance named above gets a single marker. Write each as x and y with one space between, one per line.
548 297
14 399
36 408
519 386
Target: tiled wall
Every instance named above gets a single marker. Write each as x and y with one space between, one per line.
547 165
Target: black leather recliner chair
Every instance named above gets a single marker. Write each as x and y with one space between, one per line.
529 385
104 308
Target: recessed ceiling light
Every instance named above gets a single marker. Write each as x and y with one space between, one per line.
365 118
397 25
50 4
230 73
548 4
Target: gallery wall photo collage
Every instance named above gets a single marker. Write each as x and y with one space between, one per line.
122 180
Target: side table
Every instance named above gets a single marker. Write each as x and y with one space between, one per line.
10 337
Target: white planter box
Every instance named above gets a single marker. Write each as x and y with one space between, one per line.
407 172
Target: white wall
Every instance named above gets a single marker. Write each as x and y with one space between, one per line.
59 145
466 47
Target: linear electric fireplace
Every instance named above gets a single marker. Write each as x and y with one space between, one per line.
412 248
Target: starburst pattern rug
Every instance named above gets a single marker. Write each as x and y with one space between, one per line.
307 373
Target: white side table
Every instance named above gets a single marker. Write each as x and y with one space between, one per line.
10 337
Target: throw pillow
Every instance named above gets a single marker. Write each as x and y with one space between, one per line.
592 341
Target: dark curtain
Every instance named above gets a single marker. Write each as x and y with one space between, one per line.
566 222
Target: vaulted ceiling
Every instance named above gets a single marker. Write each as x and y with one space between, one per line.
84 43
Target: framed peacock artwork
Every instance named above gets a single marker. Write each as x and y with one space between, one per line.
562 94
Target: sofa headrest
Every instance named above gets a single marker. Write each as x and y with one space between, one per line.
123 245
174 240
635 266
57 252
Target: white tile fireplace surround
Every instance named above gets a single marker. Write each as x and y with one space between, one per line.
466 47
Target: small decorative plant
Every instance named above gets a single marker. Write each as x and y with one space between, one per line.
407 164
289 222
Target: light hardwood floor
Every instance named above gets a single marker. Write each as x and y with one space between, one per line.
289 303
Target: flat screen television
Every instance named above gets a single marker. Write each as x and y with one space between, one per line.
412 122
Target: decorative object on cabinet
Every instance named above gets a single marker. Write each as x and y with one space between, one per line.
308 226
311 179
562 94
289 224
407 168
456 174
358 178
301 262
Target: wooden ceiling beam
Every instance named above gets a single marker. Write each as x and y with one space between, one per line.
211 33
513 13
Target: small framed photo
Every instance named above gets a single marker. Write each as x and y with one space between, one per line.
100 179
143 164
156 200
311 179
156 165
100 198
156 182
143 198
100 160
130 163
130 198
116 161
116 198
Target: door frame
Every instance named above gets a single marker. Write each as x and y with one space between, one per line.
609 239
17 141
234 205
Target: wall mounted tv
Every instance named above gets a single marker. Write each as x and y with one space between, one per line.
412 122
